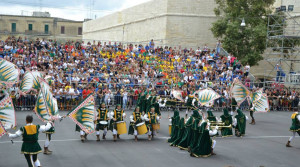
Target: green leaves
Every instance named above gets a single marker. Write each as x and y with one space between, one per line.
249 42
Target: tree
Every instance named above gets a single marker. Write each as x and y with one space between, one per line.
247 43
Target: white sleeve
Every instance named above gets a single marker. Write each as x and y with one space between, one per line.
234 122
247 118
17 134
157 118
46 127
231 113
124 115
298 117
146 117
112 114
131 118
213 132
170 120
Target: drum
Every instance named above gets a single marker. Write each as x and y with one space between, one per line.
170 129
121 127
103 122
141 128
155 126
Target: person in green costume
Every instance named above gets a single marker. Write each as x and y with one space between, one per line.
195 134
227 119
102 116
30 147
151 118
115 116
240 123
186 139
180 133
175 126
211 117
206 145
201 128
295 127
136 118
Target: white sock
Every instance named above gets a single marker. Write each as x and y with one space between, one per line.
37 163
82 132
135 133
214 143
47 142
114 131
97 132
105 131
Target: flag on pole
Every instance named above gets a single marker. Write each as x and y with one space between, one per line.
7 113
207 96
256 95
41 108
51 102
2 130
9 73
238 91
262 105
84 114
30 81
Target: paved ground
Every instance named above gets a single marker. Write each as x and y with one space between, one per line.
264 145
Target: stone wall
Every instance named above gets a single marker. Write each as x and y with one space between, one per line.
168 22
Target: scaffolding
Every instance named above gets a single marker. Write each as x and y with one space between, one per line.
283 36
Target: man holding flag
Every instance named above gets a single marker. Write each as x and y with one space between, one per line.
30 147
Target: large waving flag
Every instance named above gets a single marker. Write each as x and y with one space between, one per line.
239 91
84 114
30 81
177 94
2 130
41 108
256 95
207 96
262 105
9 73
7 113
51 102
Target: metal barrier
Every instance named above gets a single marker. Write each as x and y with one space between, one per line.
68 102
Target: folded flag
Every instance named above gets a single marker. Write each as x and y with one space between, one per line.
7 113
9 73
239 91
30 81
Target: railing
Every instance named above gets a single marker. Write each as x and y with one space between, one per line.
293 79
68 102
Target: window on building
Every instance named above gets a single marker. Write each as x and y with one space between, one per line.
62 30
30 27
13 27
79 30
46 29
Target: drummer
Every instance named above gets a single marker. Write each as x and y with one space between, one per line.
151 118
117 115
135 119
102 119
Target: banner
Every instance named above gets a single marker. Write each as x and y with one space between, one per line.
30 81
7 113
9 73
262 105
51 102
207 96
41 109
256 95
177 94
84 114
2 130
239 91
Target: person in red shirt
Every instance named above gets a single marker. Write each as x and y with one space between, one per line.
86 92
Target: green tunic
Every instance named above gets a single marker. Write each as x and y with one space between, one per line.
179 134
175 126
137 118
157 109
195 133
102 116
152 120
211 116
118 115
30 139
187 136
295 127
203 149
241 122
227 119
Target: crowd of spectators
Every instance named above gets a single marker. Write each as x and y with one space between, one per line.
117 73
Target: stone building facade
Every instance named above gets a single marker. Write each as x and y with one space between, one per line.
168 22
40 27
